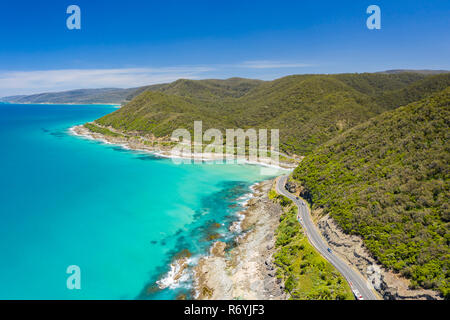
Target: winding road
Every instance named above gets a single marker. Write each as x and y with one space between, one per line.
362 289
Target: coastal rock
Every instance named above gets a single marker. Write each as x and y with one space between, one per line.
246 271
218 249
176 274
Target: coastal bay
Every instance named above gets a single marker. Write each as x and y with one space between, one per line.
121 215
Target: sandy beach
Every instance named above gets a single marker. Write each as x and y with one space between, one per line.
160 148
243 270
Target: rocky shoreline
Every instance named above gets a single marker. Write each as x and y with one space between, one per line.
161 148
245 271
242 272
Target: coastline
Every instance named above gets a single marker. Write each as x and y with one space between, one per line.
136 144
250 249
66 103
244 271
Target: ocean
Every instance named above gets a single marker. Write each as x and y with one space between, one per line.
121 216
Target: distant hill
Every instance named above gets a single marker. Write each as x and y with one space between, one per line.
387 180
376 147
205 89
200 89
106 95
308 109
414 92
427 72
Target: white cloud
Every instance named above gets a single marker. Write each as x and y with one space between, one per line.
30 82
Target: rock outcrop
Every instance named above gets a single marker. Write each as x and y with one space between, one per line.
389 285
247 270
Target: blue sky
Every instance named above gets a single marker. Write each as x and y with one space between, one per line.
131 43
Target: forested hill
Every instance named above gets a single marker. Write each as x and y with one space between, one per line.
233 87
387 180
308 109
376 146
203 89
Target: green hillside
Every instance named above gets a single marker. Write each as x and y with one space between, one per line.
387 180
308 109
375 145
211 89
414 92
159 114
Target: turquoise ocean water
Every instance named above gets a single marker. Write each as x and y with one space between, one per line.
120 215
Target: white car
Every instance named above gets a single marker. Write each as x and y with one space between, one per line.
358 295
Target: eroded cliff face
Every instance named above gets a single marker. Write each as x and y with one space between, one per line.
389 285
247 271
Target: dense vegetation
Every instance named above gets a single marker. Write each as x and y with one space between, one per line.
387 180
211 89
306 274
234 87
308 109
103 131
376 154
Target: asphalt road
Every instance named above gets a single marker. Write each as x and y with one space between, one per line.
353 277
